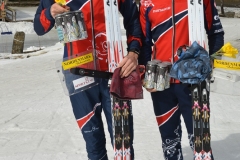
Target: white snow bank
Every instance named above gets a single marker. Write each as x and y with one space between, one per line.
26 27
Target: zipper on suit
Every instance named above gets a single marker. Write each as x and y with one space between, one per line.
173 34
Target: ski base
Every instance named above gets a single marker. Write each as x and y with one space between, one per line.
201 125
121 111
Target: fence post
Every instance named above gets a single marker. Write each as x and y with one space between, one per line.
18 42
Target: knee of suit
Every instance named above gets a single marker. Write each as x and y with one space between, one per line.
95 142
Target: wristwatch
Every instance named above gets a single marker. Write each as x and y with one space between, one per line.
134 50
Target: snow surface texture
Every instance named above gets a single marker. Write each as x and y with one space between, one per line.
37 122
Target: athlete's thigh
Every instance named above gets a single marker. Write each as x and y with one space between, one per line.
166 111
87 109
185 105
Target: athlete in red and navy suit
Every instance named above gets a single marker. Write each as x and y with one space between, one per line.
167 34
88 105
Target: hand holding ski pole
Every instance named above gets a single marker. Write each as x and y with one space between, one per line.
128 64
58 9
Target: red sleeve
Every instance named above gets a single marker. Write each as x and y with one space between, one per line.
44 21
142 11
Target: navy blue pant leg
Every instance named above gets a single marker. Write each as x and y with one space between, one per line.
169 105
106 103
185 105
87 109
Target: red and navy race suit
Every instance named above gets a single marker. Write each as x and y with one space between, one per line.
165 26
44 22
88 105
158 28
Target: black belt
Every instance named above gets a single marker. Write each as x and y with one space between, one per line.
91 73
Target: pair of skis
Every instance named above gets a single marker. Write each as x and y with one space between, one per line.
120 108
121 112
201 124
200 92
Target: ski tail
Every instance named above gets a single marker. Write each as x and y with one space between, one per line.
206 140
121 111
196 113
201 122
117 129
126 111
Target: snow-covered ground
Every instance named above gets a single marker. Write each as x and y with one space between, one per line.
37 123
